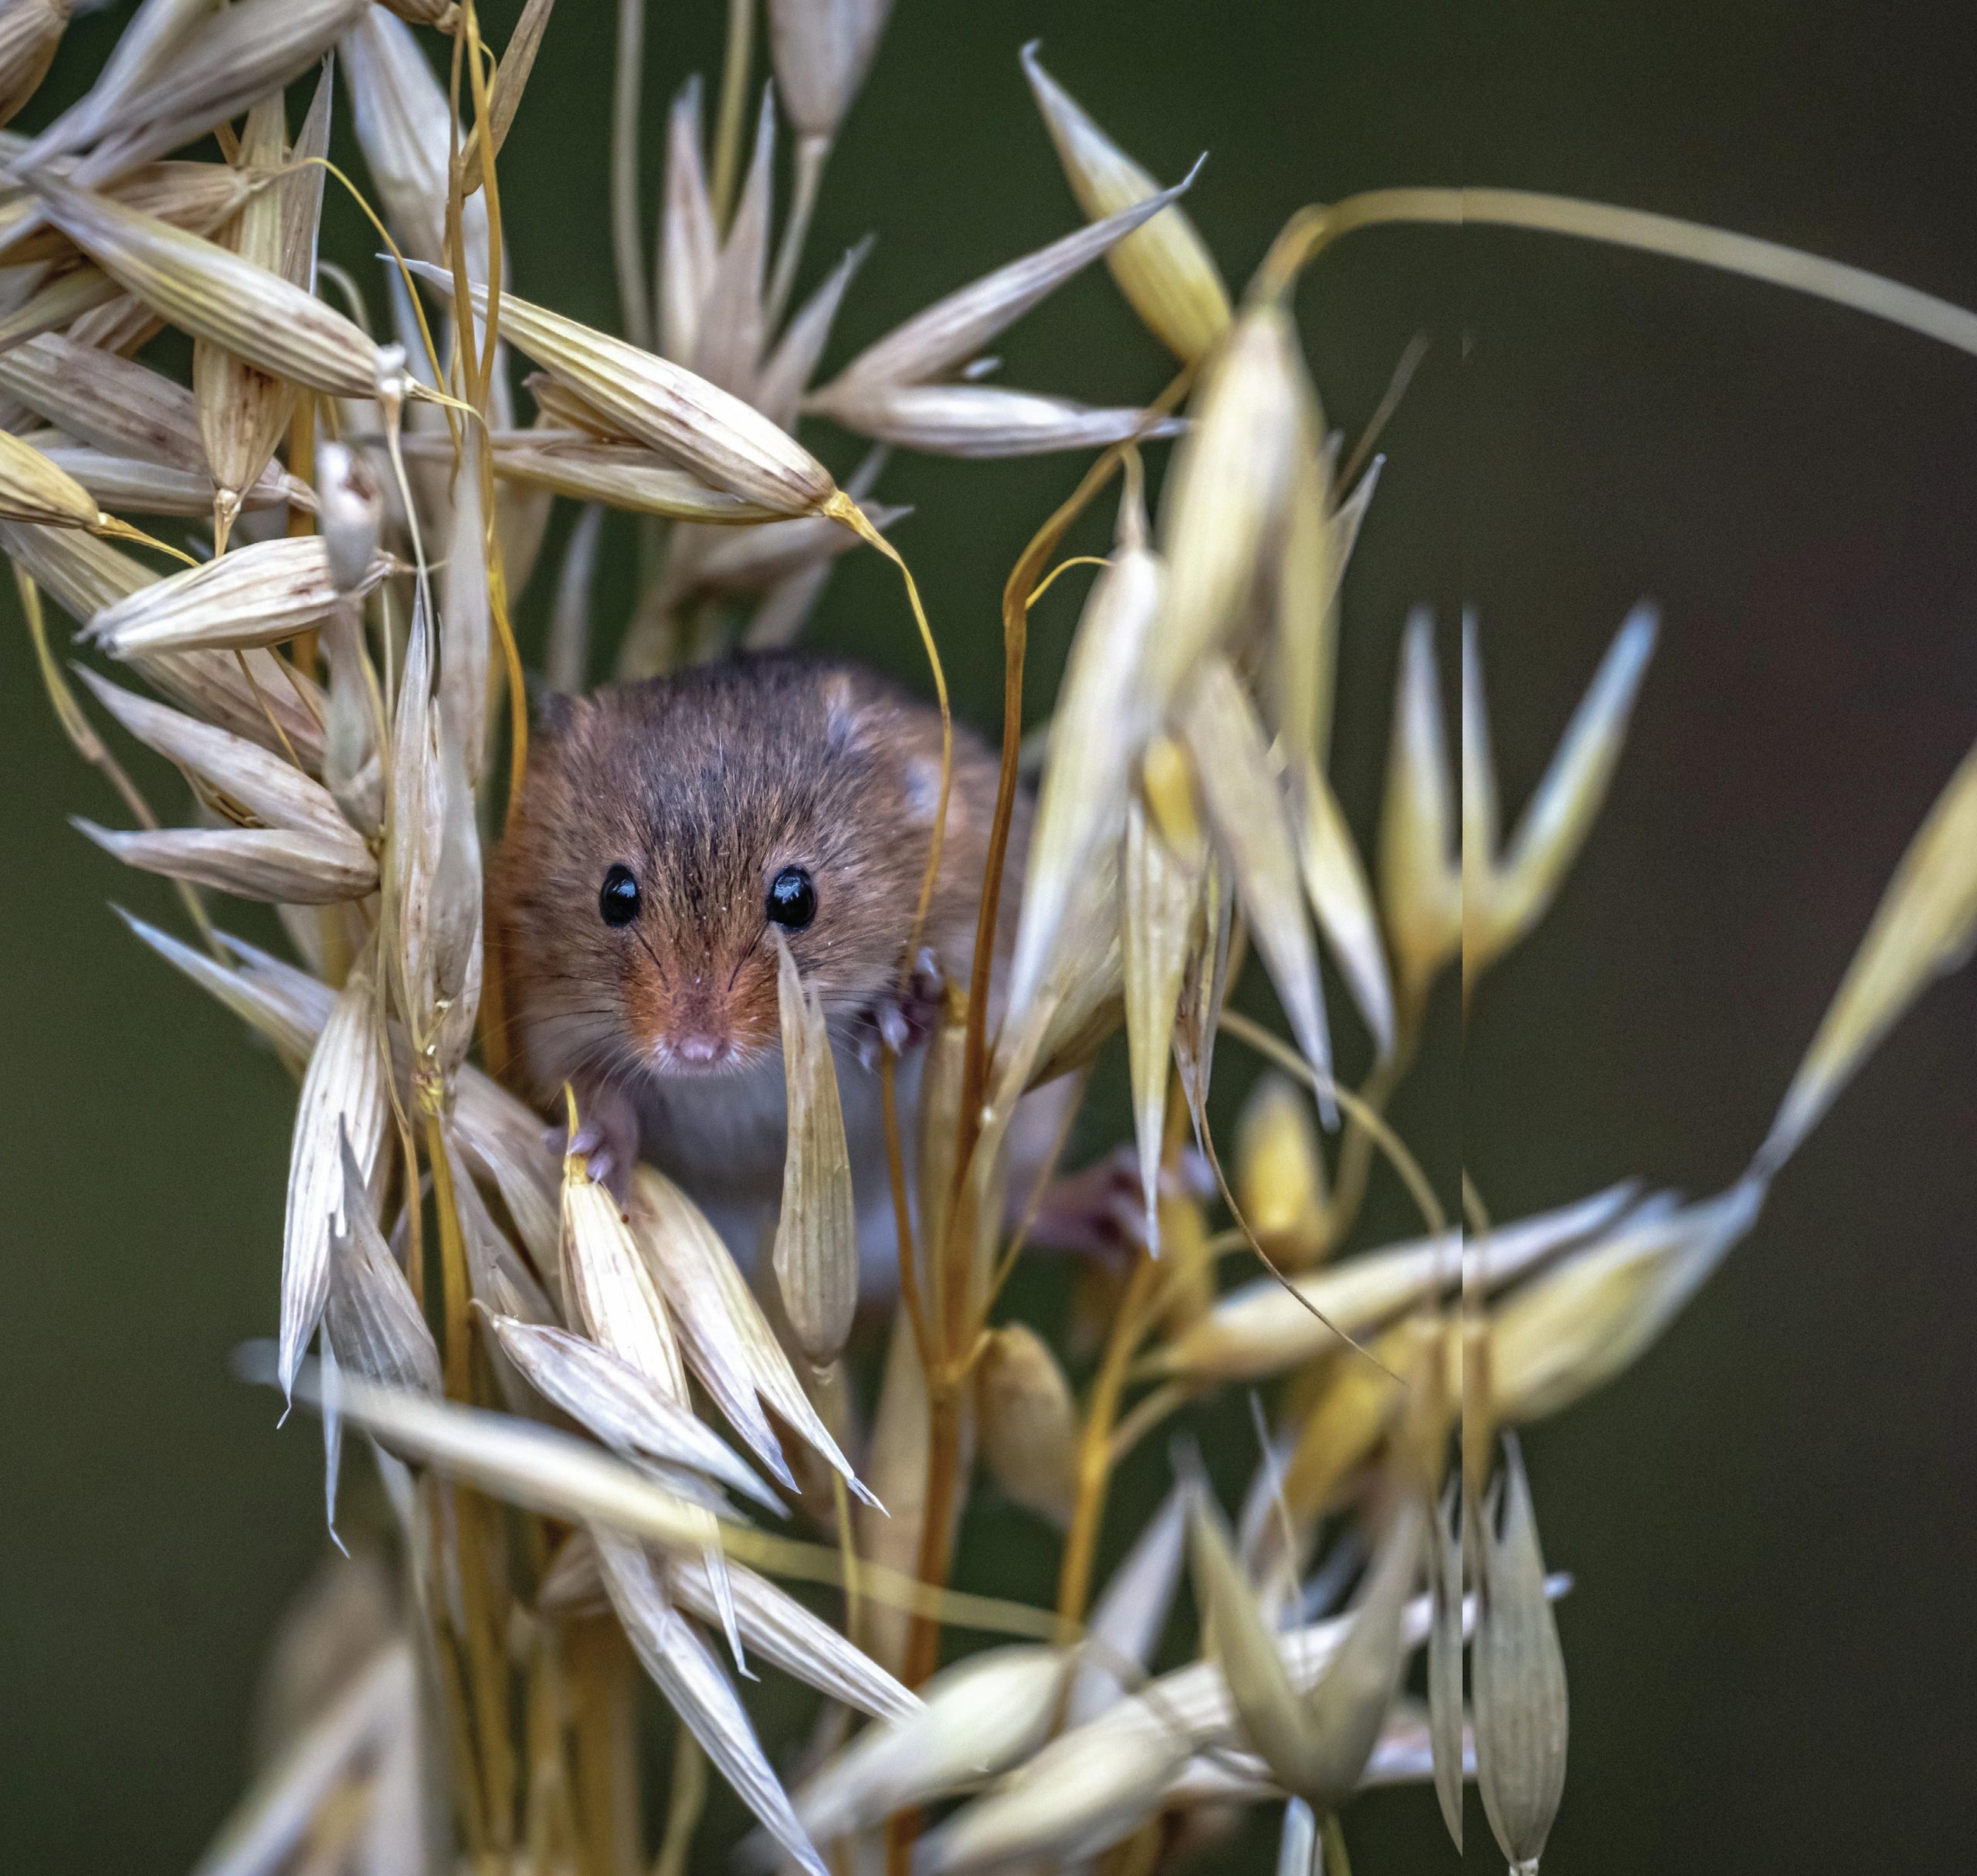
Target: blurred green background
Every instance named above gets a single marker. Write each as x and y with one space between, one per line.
1769 1519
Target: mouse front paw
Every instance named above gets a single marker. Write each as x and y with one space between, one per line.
905 1018
1101 1210
606 1138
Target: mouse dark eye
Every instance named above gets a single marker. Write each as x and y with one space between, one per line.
792 899
618 900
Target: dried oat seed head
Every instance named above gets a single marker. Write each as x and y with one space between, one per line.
342 1111
815 1256
1165 269
948 334
698 424
258 595
1419 867
1245 805
1922 928
1520 1701
1028 1422
976 1718
30 30
213 293
371 1319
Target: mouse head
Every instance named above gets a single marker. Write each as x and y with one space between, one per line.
668 829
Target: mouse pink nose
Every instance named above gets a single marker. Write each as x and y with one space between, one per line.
702 1051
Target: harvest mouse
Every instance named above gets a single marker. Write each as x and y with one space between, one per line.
666 830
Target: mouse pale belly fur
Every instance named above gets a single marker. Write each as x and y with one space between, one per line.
722 1138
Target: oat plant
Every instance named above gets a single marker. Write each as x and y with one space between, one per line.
611 1443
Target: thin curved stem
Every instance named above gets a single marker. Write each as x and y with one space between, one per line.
1311 231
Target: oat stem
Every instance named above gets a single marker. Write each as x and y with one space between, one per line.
1313 230
1095 1443
627 243
735 66
685 1798
811 154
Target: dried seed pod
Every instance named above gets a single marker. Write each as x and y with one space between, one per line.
63 301
30 30
272 791
1165 269
140 487
197 196
697 1690
466 625
698 424
1079 1794
821 50
1521 1702
1102 718
1028 1422
981 422
399 112
629 1411
1578 1325
687 242
257 595
1272 1718
1259 1329
1921 929
1157 919
1348 1702
733 319
1281 1170
1225 493
342 1111
1335 882
371 1317
244 413
1245 803
815 1257
154 30
625 476
120 406
283 868
611 1293
787 371
232 60
774 1625
33 490
723 1335
1420 872
953 330
1513 892
975 1718
215 294
778 1627
521 1462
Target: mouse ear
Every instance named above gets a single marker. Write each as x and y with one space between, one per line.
550 711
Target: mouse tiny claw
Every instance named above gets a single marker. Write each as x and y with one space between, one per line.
606 1138
905 1020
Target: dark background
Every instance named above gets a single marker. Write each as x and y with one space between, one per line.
1769 1518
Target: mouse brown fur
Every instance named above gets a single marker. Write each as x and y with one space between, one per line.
706 786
